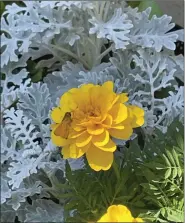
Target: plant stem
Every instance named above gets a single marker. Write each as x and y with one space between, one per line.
72 55
104 53
61 60
106 10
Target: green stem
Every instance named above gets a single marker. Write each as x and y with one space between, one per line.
104 53
52 51
106 10
72 55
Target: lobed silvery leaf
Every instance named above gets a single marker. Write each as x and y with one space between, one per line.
5 189
116 29
14 81
19 195
153 33
22 130
8 145
36 103
18 171
43 210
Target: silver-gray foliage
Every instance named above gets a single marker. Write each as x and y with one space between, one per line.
69 39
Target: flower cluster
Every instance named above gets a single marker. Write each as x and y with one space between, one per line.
118 213
87 120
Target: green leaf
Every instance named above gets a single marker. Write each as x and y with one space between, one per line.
167 173
172 215
68 195
63 186
70 205
180 141
170 157
174 172
166 160
149 186
149 174
175 155
154 165
150 3
104 199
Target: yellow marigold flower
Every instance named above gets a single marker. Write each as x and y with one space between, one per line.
118 213
87 119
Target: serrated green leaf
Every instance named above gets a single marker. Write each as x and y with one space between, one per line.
179 172
172 215
170 157
167 173
70 205
160 166
175 156
103 198
149 175
68 195
149 186
166 160
174 172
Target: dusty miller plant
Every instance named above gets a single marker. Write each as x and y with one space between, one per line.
48 47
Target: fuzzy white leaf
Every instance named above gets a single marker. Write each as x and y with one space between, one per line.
44 211
116 29
153 33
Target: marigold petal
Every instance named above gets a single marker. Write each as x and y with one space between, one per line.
101 98
98 159
57 115
77 128
108 85
75 134
83 139
67 103
119 113
109 147
139 122
74 152
57 140
104 218
123 210
119 126
121 133
123 97
136 115
138 220
95 129
102 139
119 213
137 111
86 87
107 122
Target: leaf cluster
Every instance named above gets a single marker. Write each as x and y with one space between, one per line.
148 180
